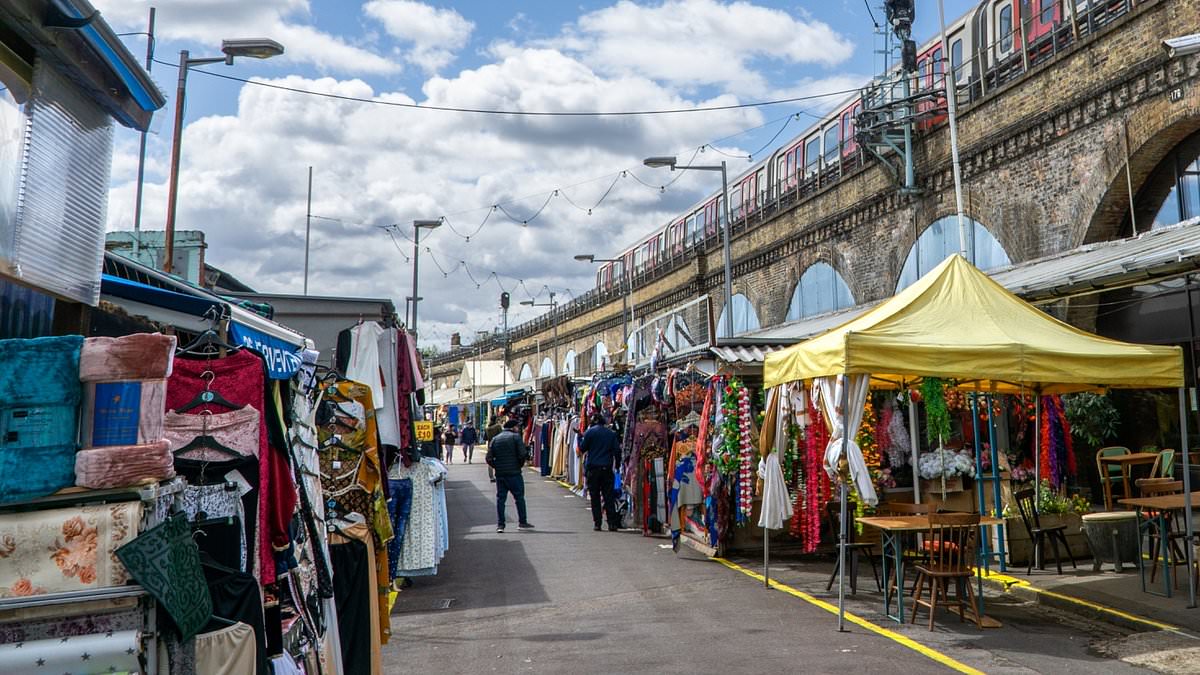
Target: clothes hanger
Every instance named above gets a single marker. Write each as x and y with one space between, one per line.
208 396
206 442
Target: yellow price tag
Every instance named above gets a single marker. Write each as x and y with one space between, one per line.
424 430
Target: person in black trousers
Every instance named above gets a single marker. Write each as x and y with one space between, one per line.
507 453
602 449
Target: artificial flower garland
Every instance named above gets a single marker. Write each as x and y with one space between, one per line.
1057 451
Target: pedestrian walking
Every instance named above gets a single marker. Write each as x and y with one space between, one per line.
448 439
602 451
507 453
467 439
493 430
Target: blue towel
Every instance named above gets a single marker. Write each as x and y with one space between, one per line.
39 411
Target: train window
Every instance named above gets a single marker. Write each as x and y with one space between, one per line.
701 216
1048 11
938 69
1004 26
812 156
831 144
956 60
721 211
922 73
781 170
747 190
762 186
691 229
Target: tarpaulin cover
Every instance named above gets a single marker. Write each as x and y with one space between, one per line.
957 323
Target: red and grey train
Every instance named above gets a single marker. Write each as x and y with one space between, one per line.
994 42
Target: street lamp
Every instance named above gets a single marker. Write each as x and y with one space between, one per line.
255 48
626 300
659 162
553 305
417 225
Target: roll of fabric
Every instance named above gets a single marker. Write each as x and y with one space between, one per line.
141 356
39 404
122 413
123 465
65 549
107 652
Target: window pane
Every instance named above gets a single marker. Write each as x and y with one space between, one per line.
1005 26
956 60
1189 186
820 290
940 240
1048 11
812 154
831 144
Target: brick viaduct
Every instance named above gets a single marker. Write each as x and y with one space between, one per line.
1043 162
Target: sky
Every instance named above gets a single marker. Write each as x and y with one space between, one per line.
519 195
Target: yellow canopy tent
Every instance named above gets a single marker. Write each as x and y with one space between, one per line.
956 323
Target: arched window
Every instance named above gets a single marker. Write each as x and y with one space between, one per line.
600 360
547 369
940 240
1178 175
744 317
457 384
568 367
820 290
526 373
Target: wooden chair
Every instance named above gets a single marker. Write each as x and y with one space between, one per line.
1040 535
1175 532
1110 474
1164 465
952 537
854 550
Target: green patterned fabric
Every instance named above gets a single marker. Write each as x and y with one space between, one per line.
166 561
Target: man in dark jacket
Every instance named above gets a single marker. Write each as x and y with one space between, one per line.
507 453
602 449
468 439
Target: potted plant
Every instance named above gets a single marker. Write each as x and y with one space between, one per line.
1094 420
1053 509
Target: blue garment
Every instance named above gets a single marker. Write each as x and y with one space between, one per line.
39 409
399 506
516 485
602 446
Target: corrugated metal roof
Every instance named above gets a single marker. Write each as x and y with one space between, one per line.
1157 254
745 354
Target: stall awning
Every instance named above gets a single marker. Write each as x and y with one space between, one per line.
956 322
508 396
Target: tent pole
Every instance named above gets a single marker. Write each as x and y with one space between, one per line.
1037 447
914 431
842 480
1187 491
766 558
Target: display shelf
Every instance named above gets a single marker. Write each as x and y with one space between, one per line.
72 597
71 496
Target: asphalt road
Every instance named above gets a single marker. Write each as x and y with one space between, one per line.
562 598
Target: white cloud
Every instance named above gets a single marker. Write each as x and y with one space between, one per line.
693 43
435 34
287 21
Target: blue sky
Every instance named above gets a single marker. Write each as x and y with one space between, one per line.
247 148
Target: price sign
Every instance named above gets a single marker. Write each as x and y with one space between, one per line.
424 430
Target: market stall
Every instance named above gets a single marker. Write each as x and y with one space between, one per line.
958 325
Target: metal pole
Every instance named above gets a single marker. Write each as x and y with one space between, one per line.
910 173
632 320
1128 177
728 253
173 180
141 172
842 479
1037 448
950 86
416 255
914 430
308 230
1189 526
554 320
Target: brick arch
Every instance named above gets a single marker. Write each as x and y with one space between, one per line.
1149 144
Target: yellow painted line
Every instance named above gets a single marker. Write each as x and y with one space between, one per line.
1009 582
391 600
892 635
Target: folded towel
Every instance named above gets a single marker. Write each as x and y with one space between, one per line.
122 465
141 356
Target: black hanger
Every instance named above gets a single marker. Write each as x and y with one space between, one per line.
208 396
207 343
206 442
335 441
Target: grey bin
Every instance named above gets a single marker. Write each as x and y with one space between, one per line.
1113 537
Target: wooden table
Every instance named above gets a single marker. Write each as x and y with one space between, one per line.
892 528
1162 505
1126 462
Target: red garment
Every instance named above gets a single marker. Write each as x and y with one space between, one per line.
241 379
405 385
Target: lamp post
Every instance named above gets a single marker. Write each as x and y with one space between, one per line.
256 48
658 162
627 303
553 305
417 225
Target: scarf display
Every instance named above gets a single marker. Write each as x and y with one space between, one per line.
1057 451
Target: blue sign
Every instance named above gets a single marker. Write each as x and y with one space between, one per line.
117 412
283 359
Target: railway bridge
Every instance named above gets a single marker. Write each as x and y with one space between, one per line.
1049 160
